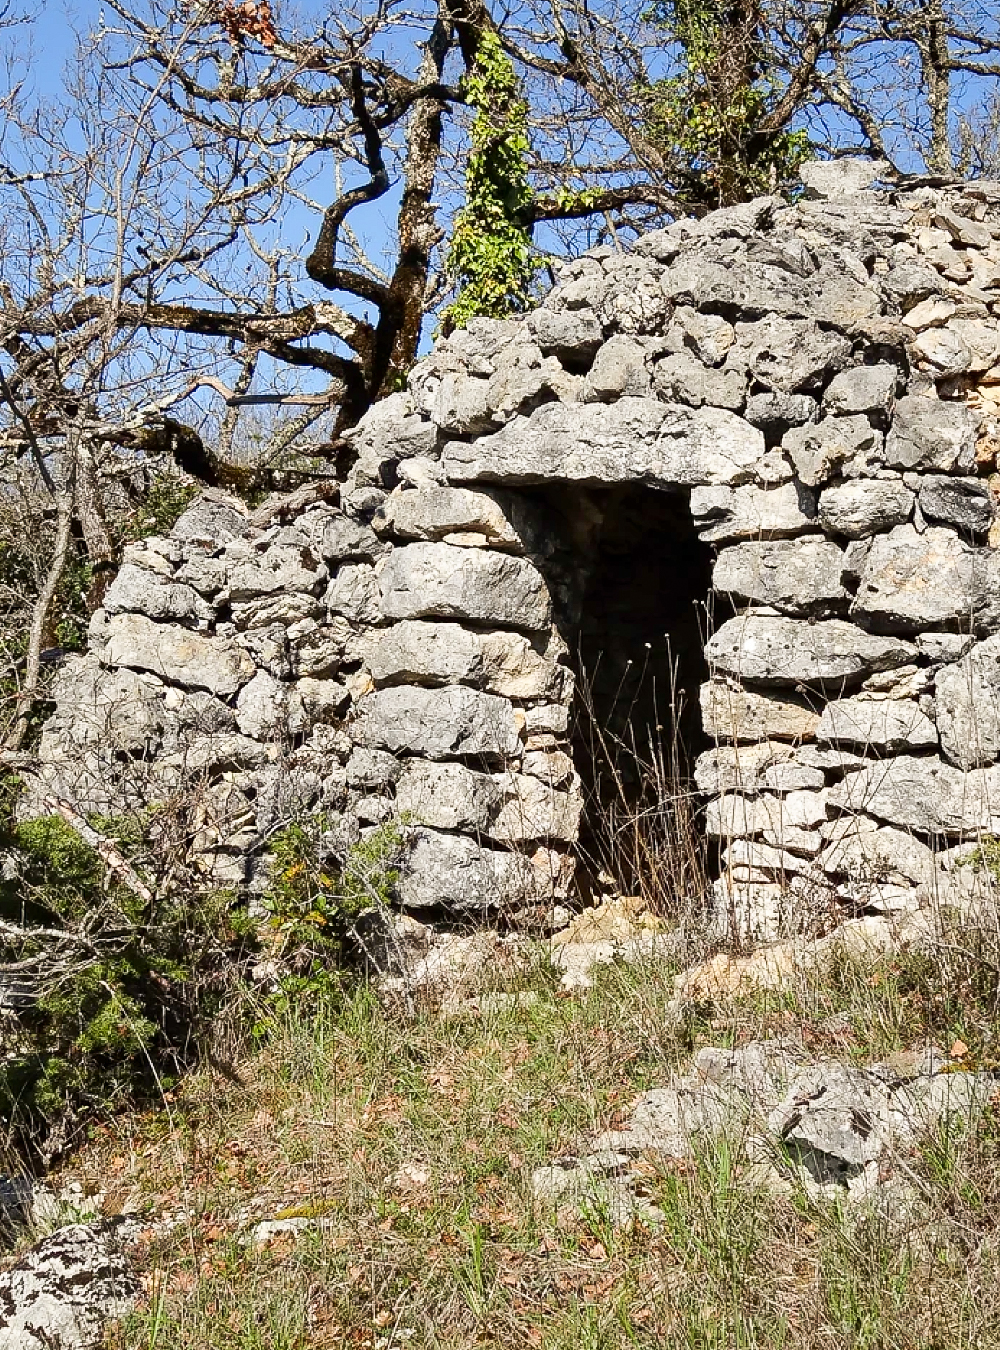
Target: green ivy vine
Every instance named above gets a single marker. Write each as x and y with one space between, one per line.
709 118
490 256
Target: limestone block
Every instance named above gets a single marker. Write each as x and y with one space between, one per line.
634 297
454 873
284 610
866 852
571 335
791 356
767 650
392 429
448 723
970 233
137 590
262 708
925 794
63 1292
942 349
633 440
865 506
944 648
731 713
681 378
514 667
177 655
967 706
775 413
823 449
441 581
461 405
826 178
981 339
931 436
862 389
909 284
915 581
735 815
277 570
709 336
113 710
212 520
434 512
354 593
749 512
963 503
524 378
753 856
742 767
534 810
889 726
343 539
417 652
619 370
447 796
207 575
319 649
800 576
323 701
372 768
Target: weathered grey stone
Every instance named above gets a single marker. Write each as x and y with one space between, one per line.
354 593
212 519
572 335
262 708
524 379
749 512
343 539
865 852
619 370
971 233
731 713
441 581
741 768
967 706
633 440
768 650
512 666
278 569
963 503
925 794
865 506
372 768
283 610
447 796
862 389
914 581
461 405
942 349
392 429
910 283
534 810
682 378
944 648
709 336
434 512
454 873
735 815
138 591
318 701
791 355
798 576
114 710
834 445
416 652
177 655
775 413
981 340
929 435
825 178
887 725
633 299
446 723
63 1292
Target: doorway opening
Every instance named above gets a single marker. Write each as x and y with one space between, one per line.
639 657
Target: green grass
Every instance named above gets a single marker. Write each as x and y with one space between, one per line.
409 1143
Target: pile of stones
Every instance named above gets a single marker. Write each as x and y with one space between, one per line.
820 382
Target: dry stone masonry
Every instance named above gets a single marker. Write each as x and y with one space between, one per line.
805 396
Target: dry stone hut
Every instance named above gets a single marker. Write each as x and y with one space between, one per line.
780 419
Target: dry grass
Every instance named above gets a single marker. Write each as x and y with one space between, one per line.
408 1143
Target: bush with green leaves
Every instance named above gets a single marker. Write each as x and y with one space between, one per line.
112 992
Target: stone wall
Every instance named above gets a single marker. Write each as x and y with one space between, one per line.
815 385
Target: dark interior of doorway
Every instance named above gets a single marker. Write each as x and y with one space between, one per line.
639 657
